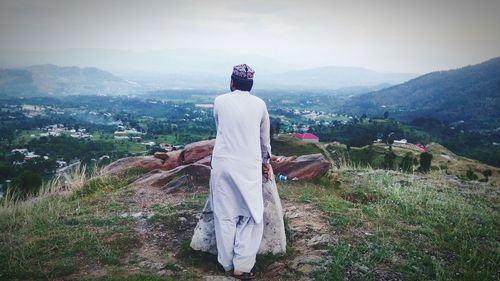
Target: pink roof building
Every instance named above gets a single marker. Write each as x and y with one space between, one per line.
421 147
306 137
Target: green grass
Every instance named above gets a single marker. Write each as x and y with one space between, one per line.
287 145
56 235
396 224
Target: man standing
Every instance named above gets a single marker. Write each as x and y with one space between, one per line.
239 160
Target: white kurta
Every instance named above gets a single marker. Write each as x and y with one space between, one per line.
242 145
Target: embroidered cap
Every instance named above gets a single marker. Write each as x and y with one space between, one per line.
243 71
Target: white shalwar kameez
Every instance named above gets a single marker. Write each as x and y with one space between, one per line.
242 145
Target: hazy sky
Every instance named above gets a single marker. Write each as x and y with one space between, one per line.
385 35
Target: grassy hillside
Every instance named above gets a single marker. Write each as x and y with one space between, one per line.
385 225
287 145
392 226
443 160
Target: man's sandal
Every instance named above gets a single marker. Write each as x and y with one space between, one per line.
246 275
226 272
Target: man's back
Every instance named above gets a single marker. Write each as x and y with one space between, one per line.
239 116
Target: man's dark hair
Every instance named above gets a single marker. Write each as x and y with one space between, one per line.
242 84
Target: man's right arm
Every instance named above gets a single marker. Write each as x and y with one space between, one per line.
265 140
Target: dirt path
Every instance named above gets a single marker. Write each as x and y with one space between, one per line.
152 255
162 250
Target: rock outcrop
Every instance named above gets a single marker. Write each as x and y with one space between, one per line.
196 151
163 161
305 167
147 163
159 178
273 240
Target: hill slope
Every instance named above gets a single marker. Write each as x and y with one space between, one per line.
471 93
55 80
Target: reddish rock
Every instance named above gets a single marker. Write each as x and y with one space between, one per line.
158 178
155 178
180 184
173 160
161 155
147 163
305 167
196 151
200 173
196 158
205 161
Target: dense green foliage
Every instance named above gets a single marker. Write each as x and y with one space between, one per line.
27 183
360 133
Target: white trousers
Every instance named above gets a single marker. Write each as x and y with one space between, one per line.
238 240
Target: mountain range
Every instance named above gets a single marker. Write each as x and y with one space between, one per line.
203 69
40 80
471 93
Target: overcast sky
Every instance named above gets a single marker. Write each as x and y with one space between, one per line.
385 35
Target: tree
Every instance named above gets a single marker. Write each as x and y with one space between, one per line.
425 162
272 131
27 183
386 114
278 126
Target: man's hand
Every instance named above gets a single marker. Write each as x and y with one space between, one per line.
266 171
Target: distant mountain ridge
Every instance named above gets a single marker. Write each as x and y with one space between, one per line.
50 79
204 69
471 93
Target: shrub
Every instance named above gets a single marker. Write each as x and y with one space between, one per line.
471 175
27 183
407 162
487 174
389 162
425 162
